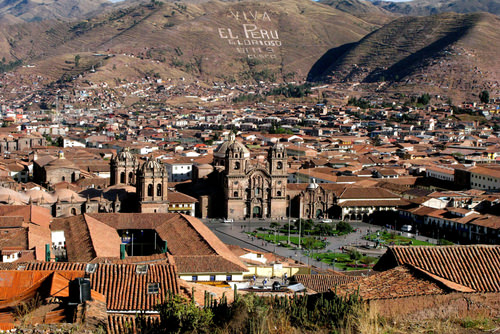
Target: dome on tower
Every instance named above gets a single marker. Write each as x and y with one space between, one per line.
234 145
124 155
313 185
151 165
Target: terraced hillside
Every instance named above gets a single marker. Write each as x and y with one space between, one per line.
449 51
252 41
432 7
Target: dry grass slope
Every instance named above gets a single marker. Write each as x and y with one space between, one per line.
184 39
449 50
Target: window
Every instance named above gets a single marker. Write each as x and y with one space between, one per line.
141 269
158 190
150 190
257 191
235 194
278 193
279 165
236 165
122 177
229 278
212 278
194 278
153 288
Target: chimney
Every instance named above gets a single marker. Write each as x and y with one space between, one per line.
47 252
122 251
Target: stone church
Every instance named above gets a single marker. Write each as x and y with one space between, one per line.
149 178
251 189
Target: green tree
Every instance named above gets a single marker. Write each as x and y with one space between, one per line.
310 243
354 255
77 60
424 99
304 225
344 227
484 96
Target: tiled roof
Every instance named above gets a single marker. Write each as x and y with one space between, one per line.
324 283
384 203
367 193
399 282
78 241
206 264
119 323
124 288
177 197
474 266
94 235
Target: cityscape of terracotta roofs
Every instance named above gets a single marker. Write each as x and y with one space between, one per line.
109 208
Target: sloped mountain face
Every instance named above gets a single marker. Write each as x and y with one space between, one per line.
362 9
449 50
12 11
432 7
252 41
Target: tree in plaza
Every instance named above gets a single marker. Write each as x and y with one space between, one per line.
344 227
303 225
355 256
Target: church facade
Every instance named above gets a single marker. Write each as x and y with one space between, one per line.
252 189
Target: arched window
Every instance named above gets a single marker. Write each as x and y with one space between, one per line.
130 178
257 191
158 190
150 190
63 178
278 193
122 177
279 165
73 211
237 165
235 194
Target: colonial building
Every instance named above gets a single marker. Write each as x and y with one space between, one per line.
49 171
149 178
253 190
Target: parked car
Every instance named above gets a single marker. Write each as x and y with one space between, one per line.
227 220
327 221
406 228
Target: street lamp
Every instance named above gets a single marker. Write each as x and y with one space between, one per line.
300 229
289 206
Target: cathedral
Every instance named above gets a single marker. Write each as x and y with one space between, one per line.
252 189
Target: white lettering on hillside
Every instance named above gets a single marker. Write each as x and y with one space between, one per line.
254 38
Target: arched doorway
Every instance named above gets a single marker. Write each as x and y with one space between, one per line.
257 212
319 213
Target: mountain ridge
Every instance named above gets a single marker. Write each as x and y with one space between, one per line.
449 50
